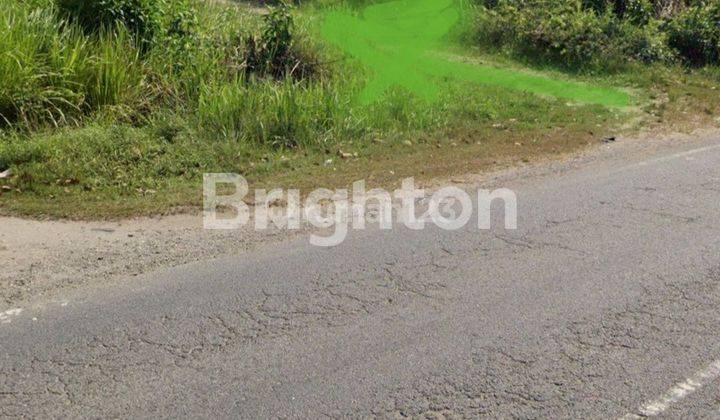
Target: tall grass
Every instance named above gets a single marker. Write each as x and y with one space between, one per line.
112 74
38 65
52 73
287 114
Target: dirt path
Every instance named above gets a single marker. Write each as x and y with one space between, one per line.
40 256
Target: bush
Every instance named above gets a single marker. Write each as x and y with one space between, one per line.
141 17
639 12
598 6
275 52
597 35
647 44
57 72
695 34
181 24
557 32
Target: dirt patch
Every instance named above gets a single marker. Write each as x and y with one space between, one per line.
39 257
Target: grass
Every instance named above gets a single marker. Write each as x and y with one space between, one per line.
400 40
99 129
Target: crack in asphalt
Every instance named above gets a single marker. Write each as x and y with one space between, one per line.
572 372
411 308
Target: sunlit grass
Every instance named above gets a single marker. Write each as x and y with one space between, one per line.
93 127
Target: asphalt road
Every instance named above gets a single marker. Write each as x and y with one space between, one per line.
604 303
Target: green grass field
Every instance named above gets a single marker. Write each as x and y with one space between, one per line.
400 42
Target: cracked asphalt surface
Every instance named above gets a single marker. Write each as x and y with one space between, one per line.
605 297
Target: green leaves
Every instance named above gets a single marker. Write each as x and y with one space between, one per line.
695 34
141 17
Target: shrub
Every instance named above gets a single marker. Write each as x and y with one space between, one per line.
592 35
639 12
490 4
695 34
557 32
181 24
648 43
598 6
52 73
275 52
141 17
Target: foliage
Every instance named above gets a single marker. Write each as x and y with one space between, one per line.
52 73
603 34
275 51
106 109
59 72
39 67
141 17
285 115
695 34
639 12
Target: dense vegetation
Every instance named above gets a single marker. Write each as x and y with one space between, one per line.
63 62
603 34
108 101
123 93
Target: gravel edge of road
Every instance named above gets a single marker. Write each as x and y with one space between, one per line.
40 258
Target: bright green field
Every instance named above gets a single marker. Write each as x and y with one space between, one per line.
400 40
